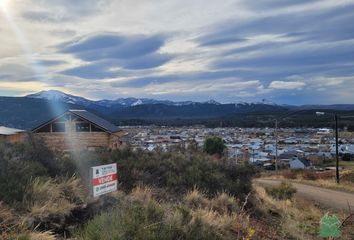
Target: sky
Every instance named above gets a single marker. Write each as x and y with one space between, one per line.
284 51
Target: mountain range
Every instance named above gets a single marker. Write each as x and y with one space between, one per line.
28 111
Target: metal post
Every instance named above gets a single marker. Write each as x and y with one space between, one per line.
276 144
337 155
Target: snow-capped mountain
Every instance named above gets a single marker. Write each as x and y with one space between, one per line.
55 95
212 101
108 106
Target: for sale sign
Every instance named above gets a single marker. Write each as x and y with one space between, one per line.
104 179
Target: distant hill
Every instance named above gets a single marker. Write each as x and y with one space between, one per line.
27 112
191 111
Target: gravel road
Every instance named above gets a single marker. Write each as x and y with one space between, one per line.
323 196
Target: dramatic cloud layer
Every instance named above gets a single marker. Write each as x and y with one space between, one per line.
291 52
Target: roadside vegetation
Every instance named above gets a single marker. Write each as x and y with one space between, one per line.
284 191
297 218
325 179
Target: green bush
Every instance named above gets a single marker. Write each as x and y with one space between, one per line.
347 157
214 145
179 172
21 163
282 192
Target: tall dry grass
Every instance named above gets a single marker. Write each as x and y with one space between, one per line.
298 219
53 197
196 217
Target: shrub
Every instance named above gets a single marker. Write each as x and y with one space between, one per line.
348 176
290 174
223 203
179 172
196 199
9 220
347 157
214 145
152 220
20 163
282 192
50 202
309 175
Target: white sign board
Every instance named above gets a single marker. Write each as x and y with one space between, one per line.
104 179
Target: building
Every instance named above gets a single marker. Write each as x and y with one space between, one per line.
299 164
77 130
12 135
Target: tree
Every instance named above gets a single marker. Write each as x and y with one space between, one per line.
214 145
347 157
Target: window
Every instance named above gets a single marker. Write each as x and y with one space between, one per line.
45 128
95 129
82 127
58 127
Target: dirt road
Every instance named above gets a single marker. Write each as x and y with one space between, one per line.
323 196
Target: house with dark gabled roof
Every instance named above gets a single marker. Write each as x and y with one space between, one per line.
299 163
77 130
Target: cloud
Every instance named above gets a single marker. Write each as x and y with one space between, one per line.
48 63
219 40
91 71
45 16
58 11
108 50
132 48
113 46
16 73
286 85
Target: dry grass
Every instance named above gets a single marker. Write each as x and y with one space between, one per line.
319 179
223 222
141 194
41 236
223 203
299 218
51 198
9 222
196 199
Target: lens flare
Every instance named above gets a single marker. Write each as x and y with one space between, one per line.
4 4
57 108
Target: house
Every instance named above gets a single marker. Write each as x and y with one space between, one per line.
12 135
299 164
288 156
77 130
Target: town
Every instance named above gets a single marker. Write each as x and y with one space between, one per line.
297 148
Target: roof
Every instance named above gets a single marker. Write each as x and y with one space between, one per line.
303 161
96 120
90 117
9 131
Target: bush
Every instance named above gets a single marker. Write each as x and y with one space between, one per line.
50 202
20 163
348 176
214 145
309 175
179 172
282 192
148 219
290 174
347 157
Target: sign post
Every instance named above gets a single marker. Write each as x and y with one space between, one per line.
104 179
